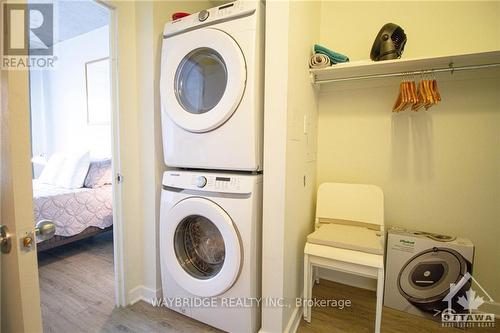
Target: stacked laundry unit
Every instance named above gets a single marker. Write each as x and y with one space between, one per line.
212 120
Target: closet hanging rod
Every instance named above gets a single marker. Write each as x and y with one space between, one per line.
450 68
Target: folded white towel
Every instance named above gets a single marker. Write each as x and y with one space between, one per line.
319 60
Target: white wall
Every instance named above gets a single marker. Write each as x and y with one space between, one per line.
274 184
142 176
145 78
125 157
438 169
433 28
151 17
58 99
300 148
289 156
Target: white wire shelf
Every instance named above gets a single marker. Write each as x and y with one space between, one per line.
367 69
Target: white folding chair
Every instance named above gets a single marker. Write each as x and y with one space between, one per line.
349 237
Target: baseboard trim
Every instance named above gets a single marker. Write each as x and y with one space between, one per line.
142 293
348 279
293 323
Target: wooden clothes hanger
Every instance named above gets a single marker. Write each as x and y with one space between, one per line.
435 90
420 98
399 100
407 95
426 94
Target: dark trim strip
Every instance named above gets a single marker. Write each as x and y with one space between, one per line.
207 193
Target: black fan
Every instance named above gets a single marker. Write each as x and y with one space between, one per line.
389 43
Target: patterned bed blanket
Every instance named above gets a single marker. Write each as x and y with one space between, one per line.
72 211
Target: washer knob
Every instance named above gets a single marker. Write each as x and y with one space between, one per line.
201 181
203 15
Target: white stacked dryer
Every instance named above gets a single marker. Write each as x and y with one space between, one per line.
211 89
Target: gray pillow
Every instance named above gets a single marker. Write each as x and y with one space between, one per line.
99 174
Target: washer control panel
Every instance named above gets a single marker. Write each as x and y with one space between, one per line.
210 182
216 183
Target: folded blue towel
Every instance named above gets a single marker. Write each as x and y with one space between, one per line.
335 57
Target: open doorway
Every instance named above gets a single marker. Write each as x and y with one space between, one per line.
72 144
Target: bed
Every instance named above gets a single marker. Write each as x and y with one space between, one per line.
77 213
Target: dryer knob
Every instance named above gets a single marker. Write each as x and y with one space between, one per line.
203 15
201 181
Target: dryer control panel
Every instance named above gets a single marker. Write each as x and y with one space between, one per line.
211 182
229 11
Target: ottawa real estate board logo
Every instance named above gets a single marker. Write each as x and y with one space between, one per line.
27 36
470 301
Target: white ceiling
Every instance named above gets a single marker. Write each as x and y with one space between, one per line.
73 18
78 17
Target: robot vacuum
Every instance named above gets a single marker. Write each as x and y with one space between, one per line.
426 277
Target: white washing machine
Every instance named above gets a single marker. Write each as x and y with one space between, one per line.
212 88
210 247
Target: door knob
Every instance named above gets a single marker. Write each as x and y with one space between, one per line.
5 241
45 229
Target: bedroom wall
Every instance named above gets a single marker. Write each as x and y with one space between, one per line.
438 169
58 99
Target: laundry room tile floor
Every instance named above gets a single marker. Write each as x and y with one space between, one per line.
360 317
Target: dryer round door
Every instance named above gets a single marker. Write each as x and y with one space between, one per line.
203 79
203 247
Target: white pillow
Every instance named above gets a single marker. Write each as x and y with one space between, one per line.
74 170
51 170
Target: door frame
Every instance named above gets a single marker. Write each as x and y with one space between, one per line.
23 300
118 243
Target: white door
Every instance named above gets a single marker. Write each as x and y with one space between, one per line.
203 248
203 76
20 303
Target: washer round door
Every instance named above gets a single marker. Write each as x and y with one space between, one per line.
203 247
202 80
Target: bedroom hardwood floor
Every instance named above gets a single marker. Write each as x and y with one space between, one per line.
77 291
77 294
